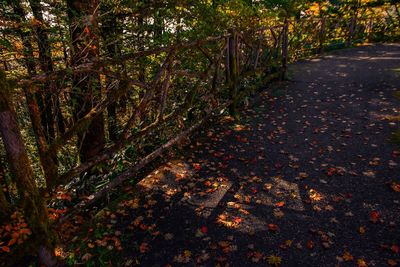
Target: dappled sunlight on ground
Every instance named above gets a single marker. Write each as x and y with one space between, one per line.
305 176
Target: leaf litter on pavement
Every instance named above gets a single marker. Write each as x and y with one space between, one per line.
303 179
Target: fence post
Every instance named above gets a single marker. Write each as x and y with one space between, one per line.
370 29
322 35
351 31
285 42
232 69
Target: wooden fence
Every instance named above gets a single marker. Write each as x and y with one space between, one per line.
164 94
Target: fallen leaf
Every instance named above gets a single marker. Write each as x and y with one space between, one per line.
392 263
267 186
144 247
196 166
5 249
278 213
370 174
273 227
395 249
361 263
274 260
187 253
395 187
12 242
310 244
375 216
168 236
347 256
223 244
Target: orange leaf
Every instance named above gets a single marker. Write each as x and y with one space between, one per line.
361 263
5 249
223 244
347 256
12 242
392 262
280 204
395 187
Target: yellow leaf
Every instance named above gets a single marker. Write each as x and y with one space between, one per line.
187 253
361 263
274 260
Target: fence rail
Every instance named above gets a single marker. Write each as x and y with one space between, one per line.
166 91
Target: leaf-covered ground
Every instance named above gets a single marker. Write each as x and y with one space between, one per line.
307 177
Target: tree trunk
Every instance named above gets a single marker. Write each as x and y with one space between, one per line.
52 112
48 161
86 86
34 208
111 35
232 54
46 65
37 109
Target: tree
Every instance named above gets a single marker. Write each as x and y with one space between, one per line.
86 86
37 110
31 202
52 110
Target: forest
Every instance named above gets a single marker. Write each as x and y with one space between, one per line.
95 92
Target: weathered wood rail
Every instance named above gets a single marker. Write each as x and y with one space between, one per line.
171 91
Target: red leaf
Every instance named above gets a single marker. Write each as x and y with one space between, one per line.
237 220
375 216
204 229
196 166
144 247
395 249
331 171
310 244
273 227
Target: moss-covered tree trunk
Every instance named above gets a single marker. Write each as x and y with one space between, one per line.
86 85
34 208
